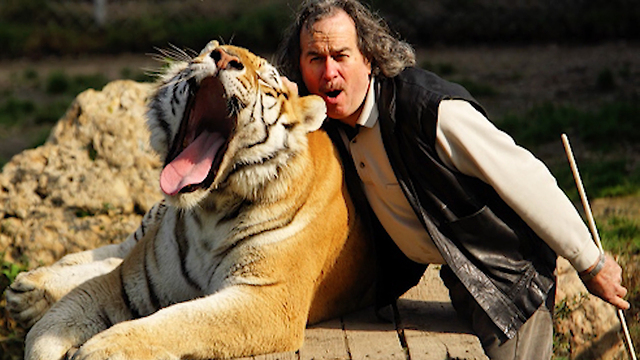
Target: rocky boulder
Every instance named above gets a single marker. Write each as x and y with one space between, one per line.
88 185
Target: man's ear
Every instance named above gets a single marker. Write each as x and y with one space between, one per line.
313 111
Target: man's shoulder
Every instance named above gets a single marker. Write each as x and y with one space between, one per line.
416 81
419 88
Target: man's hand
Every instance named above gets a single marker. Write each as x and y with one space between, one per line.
607 284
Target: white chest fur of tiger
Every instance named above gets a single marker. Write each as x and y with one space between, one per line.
257 237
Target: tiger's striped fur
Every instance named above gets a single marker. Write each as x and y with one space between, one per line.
257 238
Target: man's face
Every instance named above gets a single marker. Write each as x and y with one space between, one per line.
333 67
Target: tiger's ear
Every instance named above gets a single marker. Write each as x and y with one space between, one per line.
313 111
269 75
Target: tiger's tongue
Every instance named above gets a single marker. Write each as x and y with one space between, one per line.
192 165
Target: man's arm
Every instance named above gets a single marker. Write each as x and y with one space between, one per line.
470 143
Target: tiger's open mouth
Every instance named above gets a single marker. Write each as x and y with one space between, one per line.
201 141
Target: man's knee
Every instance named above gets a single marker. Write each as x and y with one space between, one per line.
534 340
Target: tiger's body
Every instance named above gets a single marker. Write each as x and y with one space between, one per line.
256 237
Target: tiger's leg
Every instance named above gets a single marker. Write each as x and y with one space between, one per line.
88 309
237 321
33 292
249 318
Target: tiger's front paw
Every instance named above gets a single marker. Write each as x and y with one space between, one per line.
34 292
123 342
48 343
31 295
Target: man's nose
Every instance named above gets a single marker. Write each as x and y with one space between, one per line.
226 61
330 68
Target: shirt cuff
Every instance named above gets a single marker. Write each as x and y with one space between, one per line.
586 258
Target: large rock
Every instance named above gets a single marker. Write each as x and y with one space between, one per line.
89 184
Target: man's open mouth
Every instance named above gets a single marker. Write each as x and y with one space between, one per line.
201 142
333 93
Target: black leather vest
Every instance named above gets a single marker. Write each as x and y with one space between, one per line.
505 266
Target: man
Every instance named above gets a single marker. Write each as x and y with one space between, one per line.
445 185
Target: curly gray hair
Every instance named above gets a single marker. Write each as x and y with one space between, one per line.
388 54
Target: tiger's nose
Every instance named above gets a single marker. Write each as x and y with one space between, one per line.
226 61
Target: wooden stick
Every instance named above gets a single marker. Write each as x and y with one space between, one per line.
594 233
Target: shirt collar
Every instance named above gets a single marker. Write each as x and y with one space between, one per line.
369 114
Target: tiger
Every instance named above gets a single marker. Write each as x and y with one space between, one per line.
256 236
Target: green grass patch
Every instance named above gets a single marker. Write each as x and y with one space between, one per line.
612 123
30 75
476 89
60 83
620 235
139 76
10 270
600 178
55 93
11 336
52 111
540 124
442 69
55 29
20 112
13 109
607 170
40 137
448 71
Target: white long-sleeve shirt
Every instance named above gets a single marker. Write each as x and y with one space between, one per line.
469 143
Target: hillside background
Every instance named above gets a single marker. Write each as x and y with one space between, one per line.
539 67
